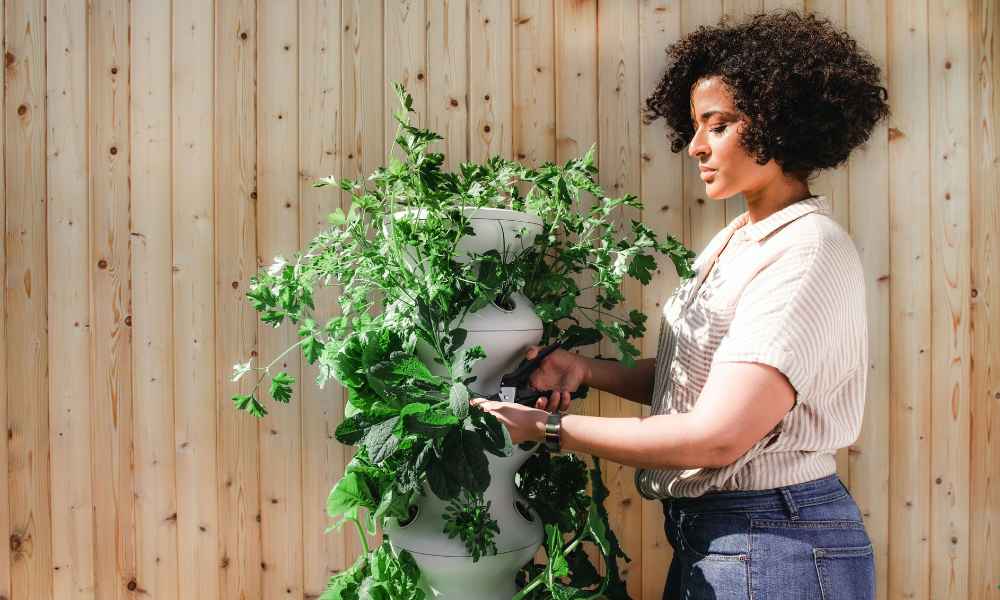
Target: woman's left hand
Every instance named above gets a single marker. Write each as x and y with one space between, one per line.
524 423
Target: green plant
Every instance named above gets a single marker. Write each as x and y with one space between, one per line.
410 425
468 518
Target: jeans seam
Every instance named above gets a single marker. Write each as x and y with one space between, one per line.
808 524
777 504
819 574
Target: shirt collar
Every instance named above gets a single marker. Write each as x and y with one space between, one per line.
765 227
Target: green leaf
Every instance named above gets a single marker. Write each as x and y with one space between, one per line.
337 217
458 401
350 492
557 567
281 387
466 460
431 423
495 436
250 404
380 442
413 367
345 585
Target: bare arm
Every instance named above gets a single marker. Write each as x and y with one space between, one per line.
739 404
635 384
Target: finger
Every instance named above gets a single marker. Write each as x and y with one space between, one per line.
564 405
477 401
554 401
532 352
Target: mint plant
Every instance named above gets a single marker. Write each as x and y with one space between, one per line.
393 258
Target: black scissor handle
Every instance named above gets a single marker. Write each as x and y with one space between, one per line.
531 397
519 376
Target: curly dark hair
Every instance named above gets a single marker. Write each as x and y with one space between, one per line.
811 94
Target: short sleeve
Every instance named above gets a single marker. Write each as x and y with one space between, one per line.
785 315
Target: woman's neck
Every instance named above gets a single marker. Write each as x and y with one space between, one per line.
780 193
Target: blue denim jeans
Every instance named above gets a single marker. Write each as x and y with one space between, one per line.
800 542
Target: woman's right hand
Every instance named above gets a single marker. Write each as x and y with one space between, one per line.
562 372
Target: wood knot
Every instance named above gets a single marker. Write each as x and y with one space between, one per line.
15 542
243 35
22 109
102 264
453 102
895 134
132 585
9 59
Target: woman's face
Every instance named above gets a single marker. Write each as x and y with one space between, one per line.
716 144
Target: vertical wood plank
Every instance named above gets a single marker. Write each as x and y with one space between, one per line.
406 49
323 457
113 474
490 99
984 569
235 227
25 287
661 174
534 92
152 302
869 226
278 235
363 88
703 216
448 79
910 331
950 295
196 509
618 79
68 244
5 516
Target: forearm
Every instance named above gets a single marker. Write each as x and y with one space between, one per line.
674 441
632 383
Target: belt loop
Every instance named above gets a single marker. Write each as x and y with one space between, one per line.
793 508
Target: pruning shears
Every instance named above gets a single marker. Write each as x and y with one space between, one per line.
514 386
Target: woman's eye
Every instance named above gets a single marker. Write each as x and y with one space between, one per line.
719 129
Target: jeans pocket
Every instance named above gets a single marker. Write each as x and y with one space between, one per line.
846 573
715 536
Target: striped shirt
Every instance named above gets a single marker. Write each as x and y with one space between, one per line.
787 291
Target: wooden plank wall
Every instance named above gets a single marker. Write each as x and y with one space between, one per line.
154 154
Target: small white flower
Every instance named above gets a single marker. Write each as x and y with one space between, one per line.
277 266
240 369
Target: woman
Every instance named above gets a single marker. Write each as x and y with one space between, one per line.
760 371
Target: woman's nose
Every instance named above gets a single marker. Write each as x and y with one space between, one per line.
697 146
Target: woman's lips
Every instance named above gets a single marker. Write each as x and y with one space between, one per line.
707 174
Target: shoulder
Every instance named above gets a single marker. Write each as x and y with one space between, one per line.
815 241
